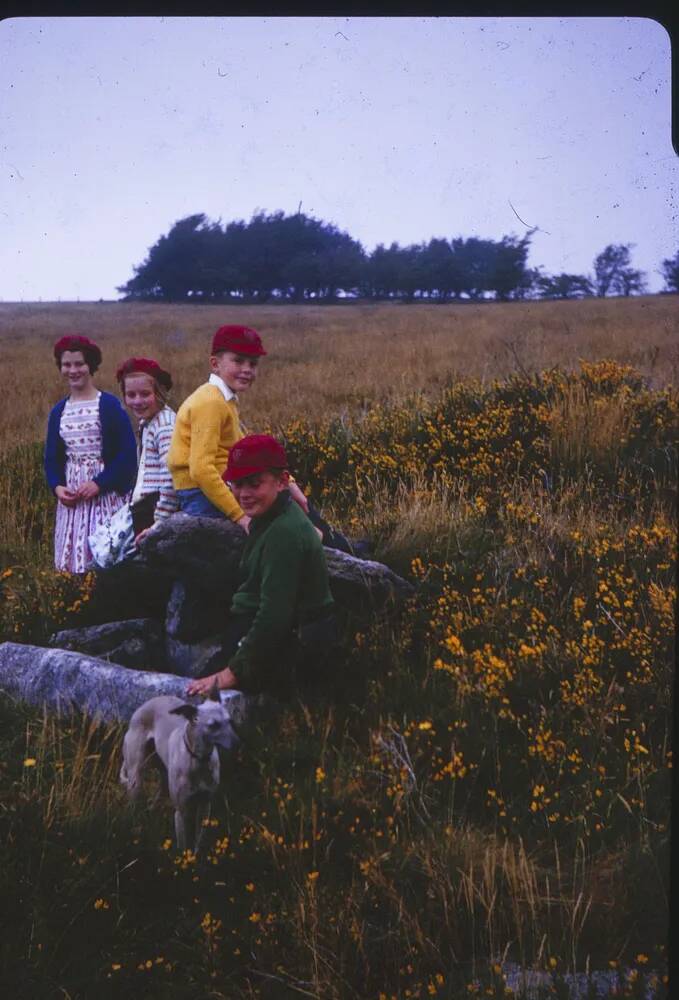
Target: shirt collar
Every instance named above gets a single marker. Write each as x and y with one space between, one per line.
227 393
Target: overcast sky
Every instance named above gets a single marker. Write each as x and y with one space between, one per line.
393 129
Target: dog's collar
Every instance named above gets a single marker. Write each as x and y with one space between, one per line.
195 755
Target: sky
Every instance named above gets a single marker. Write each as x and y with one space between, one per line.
392 129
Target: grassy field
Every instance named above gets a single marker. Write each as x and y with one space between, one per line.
335 358
486 779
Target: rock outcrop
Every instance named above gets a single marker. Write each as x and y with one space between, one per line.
63 680
191 565
361 585
138 643
204 554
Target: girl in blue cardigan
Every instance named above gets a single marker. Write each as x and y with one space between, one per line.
90 454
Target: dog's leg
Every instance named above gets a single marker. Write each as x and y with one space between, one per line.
180 829
201 812
163 788
125 777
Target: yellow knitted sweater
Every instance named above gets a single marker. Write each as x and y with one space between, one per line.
207 427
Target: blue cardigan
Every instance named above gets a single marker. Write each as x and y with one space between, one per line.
118 452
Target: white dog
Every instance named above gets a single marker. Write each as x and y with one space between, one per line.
185 738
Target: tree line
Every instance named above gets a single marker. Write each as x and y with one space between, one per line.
298 258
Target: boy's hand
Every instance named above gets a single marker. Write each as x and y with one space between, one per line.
69 498
244 522
203 685
298 497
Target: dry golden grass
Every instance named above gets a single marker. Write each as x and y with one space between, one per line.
422 519
85 775
334 358
585 428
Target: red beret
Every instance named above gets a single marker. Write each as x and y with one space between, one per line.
252 454
144 366
239 339
74 342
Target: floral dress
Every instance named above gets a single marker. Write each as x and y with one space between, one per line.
80 429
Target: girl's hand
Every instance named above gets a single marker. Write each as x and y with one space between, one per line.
298 497
142 535
244 522
68 497
88 490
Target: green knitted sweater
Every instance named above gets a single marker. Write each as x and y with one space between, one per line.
285 583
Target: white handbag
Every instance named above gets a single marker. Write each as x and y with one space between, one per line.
113 541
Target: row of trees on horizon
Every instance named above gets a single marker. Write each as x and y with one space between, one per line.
298 258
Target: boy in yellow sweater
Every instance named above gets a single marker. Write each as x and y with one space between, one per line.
208 426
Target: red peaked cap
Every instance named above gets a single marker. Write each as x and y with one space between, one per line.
239 339
144 366
252 454
74 342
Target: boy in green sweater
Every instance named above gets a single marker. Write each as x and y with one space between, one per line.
284 601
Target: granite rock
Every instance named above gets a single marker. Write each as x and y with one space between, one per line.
204 554
192 613
191 659
364 585
62 680
193 563
137 642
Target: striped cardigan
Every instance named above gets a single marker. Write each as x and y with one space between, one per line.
153 471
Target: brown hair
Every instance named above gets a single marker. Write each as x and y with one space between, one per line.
75 342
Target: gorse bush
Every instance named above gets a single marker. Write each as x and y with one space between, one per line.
555 426
34 603
568 672
487 779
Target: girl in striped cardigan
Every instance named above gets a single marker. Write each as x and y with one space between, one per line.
144 386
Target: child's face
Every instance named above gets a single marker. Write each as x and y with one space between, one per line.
74 369
238 371
140 396
258 492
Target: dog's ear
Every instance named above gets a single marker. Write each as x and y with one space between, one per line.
214 693
188 711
